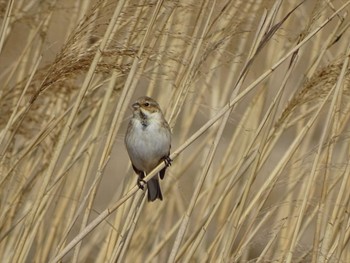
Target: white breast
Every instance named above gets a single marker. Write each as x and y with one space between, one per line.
147 145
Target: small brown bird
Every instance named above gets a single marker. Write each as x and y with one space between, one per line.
148 141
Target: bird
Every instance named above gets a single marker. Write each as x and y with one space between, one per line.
148 143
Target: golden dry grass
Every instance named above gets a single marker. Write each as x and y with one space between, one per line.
257 96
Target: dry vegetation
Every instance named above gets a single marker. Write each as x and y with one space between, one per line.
257 96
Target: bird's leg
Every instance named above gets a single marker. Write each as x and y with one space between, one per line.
167 160
141 183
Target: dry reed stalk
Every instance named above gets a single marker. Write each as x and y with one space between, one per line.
258 175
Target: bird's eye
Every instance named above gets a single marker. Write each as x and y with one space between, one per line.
146 104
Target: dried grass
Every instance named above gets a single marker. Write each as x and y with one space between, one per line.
256 93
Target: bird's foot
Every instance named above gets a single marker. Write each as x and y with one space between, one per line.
167 161
141 183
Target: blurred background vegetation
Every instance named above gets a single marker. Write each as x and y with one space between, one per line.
256 94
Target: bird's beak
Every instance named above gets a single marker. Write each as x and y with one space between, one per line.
135 106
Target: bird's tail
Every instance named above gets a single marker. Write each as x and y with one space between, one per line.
154 191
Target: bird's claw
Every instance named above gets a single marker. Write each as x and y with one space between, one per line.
141 183
167 161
